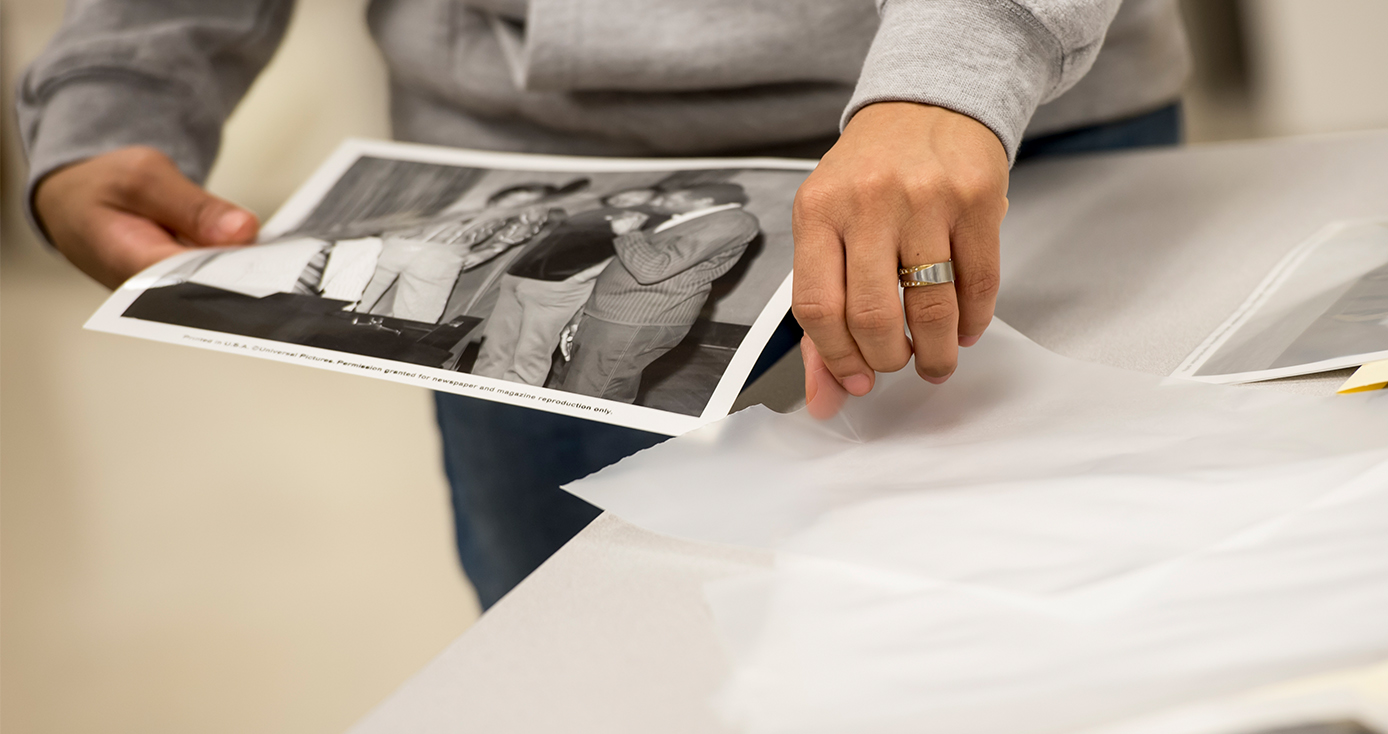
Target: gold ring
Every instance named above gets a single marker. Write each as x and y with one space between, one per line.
928 274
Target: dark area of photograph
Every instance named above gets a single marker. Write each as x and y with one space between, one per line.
633 286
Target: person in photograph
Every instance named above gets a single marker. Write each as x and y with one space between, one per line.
916 108
546 285
347 267
646 299
416 269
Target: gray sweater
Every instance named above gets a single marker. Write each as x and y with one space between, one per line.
610 77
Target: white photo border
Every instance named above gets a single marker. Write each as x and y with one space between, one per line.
1279 274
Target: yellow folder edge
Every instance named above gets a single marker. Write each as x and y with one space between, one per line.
1372 376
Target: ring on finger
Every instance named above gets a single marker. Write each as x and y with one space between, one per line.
928 274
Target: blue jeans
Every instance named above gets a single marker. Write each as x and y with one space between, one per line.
505 464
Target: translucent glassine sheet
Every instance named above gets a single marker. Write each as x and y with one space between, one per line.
1344 701
1149 468
1037 545
837 647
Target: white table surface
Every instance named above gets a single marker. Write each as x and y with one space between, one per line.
1127 259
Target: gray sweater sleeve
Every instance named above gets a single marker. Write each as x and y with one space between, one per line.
132 72
993 60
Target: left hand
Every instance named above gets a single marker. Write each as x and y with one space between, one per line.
906 184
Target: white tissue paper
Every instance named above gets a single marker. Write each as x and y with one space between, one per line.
1038 545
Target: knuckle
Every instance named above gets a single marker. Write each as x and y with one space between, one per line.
200 210
882 190
143 161
814 310
980 286
976 186
872 318
875 182
126 182
136 170
924 184
928 180
980 196
959 189
924 195
838 356
815 200
143 156
930 313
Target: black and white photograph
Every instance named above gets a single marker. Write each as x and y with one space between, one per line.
633 292
1324 307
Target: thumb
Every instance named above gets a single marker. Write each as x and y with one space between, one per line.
170 199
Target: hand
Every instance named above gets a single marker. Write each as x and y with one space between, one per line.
120 212
627 222
483 255
566 340
906 184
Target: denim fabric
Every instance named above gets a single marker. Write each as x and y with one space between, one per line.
505 464
1160 127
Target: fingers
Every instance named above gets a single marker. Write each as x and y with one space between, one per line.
153 186
130 244
856 320
872 304
976 273
119 212
823 395
932 311
905 184
819 291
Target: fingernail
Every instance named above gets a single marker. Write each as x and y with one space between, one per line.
811 387
231 223
968 341
936 380
858 385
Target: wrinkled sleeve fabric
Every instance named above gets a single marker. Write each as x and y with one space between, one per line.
161 73
993 60
652 258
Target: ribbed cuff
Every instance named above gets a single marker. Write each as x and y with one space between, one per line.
87 117
992 61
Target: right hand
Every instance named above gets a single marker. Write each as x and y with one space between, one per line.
116 214
906 184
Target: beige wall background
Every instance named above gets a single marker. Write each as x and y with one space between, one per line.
203 542
1302 67
198 542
